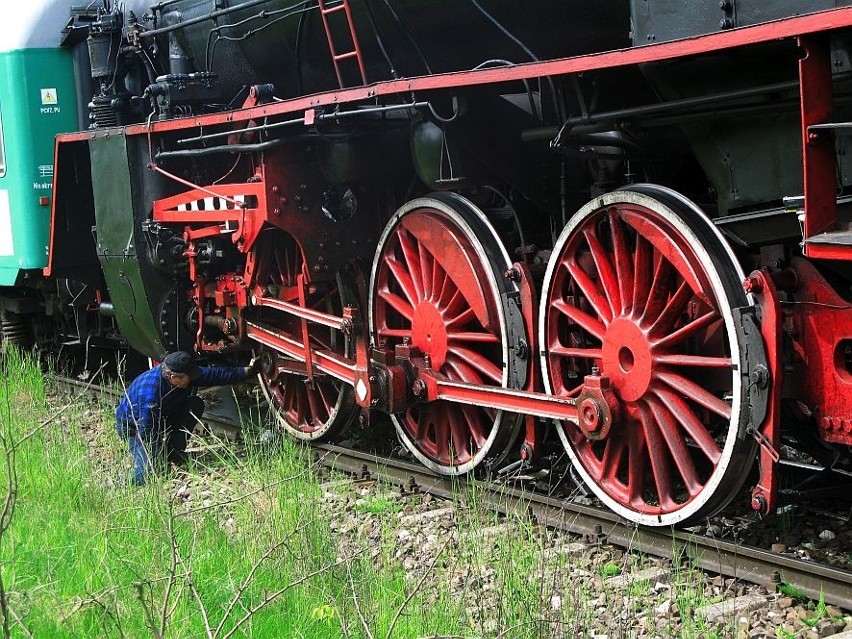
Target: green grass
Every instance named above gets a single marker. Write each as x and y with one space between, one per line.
82 559
252 552
791 591
609 569
377 505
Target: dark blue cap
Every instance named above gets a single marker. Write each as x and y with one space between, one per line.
182 362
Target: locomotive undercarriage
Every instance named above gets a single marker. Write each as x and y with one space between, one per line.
449 340
444 333
488 257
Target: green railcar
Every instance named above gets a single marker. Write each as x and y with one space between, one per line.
37 101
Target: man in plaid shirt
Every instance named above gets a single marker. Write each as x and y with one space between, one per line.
161 404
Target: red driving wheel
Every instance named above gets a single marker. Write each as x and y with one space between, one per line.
318 409
437 284
642 287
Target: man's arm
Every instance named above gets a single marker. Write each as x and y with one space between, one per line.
221 376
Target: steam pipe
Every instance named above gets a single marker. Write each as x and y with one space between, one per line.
210 16
320 116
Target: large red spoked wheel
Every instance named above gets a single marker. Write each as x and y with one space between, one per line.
641 286
437 284
317 410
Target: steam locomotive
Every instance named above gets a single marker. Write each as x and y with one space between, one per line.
625 225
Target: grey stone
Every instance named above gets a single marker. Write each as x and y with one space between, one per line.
651 575
729 608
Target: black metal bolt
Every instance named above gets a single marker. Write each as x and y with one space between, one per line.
512 274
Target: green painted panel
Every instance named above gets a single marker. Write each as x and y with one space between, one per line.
116 245
37 101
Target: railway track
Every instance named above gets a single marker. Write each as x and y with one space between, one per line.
730 559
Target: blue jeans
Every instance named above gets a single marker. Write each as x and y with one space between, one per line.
164 443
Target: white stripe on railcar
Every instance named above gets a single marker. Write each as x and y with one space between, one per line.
7 247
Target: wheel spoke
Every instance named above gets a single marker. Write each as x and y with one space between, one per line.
636 456
314 405
471 336
702 361
690 423
449 296
659 460
440 423
659 294
411 254
608 280
694 392
688 331
474 424
398 304
427 264
642 269
583 353
398 333
588 323
417 423
670 314
592 464
612 459
403 279
458 369
327 397
623 261
590 290
288 398
459 433
680 454
462 319
488 368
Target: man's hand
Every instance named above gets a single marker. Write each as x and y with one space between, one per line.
255 365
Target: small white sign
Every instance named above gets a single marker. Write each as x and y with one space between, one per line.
6 246
361 389
49 96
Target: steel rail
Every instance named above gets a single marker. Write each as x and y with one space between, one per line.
726 558
712 555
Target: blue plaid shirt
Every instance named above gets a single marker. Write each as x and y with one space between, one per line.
150 397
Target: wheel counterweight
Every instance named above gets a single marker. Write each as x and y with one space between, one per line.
437 284
641 286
